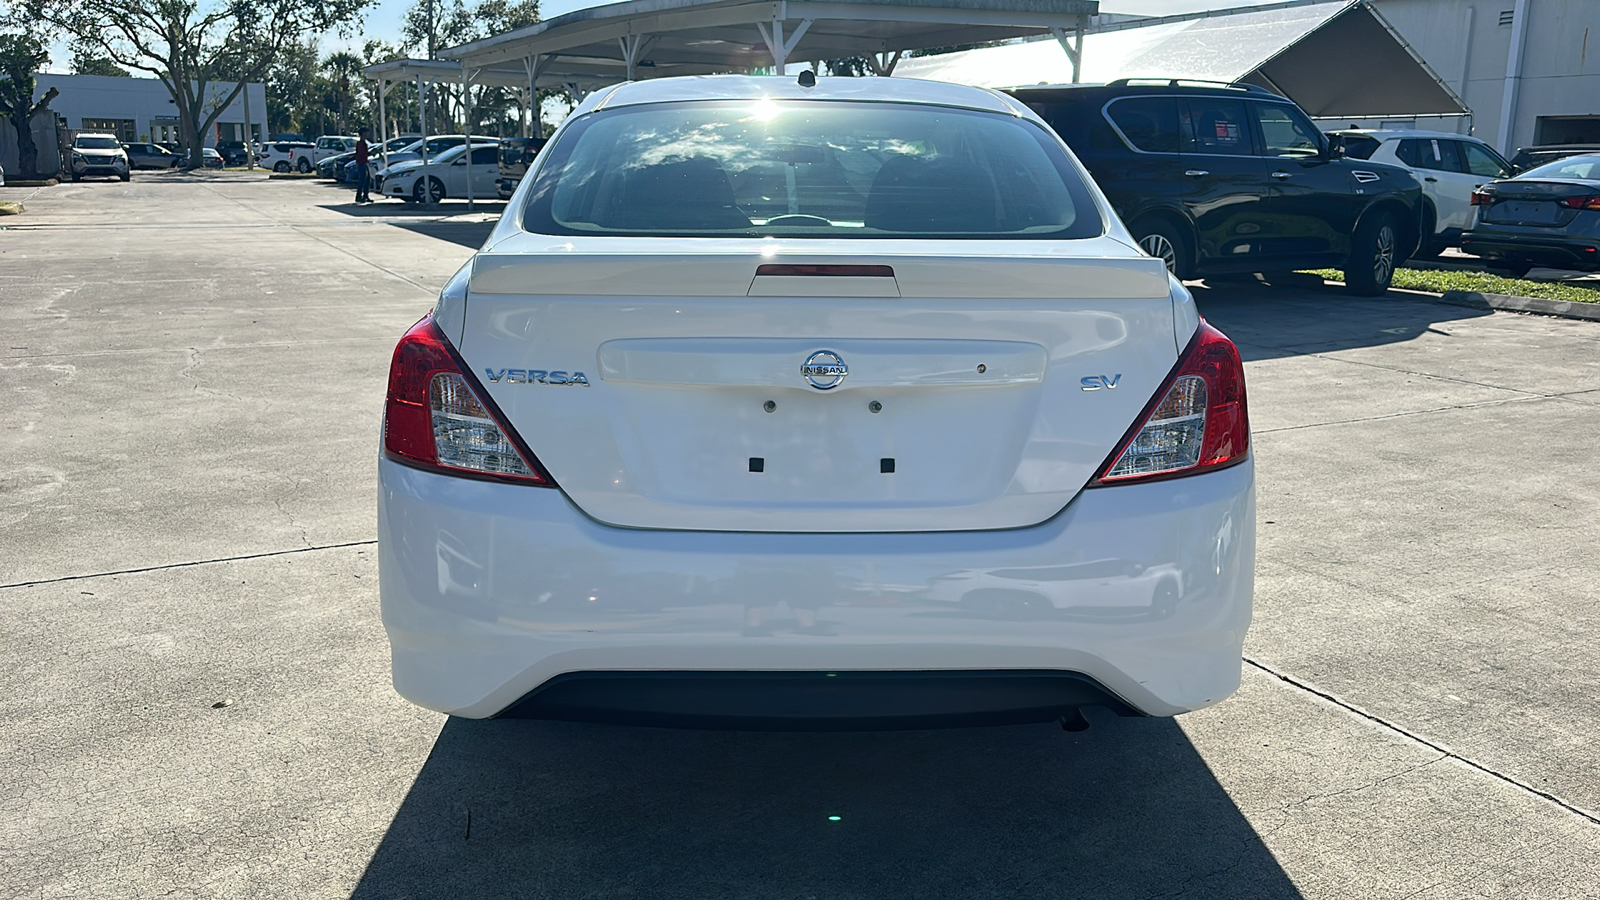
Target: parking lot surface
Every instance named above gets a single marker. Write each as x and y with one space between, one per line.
194 696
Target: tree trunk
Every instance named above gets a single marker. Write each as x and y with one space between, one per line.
27 150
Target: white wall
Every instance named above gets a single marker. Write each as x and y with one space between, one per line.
1465 43
143 100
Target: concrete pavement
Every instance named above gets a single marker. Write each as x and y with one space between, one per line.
194 695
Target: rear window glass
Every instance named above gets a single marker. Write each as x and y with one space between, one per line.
1571 167
1149 123
827 170
1360 146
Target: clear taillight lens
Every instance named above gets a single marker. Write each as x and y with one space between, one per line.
1171 438
1197 421
465 436
435 416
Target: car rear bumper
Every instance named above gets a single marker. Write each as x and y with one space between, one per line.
1534 248
1141 593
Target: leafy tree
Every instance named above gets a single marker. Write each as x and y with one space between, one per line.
85 62
21 55
189 44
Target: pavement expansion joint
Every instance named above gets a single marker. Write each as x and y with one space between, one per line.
1446 752
188 564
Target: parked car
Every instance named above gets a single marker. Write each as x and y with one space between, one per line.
94 153
233 153
444 176
437 144
678 389
1546 216
305 159
1528 157
1448 166
150 156
1233 178
516 154
279 156
210 158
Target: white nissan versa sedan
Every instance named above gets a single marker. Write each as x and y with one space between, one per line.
755 375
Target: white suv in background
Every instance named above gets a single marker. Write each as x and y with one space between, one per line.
1448 166
279 155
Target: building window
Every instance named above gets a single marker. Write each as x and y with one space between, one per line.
124 129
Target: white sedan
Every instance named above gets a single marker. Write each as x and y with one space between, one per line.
445 176
766 398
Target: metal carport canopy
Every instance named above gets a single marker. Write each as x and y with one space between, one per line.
1335 61
657 38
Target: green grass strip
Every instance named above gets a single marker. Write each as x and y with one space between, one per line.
1438 281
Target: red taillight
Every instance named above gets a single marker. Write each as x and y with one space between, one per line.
438 417
1482 198
1197 422
1583 201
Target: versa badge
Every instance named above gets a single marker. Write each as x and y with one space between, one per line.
534 376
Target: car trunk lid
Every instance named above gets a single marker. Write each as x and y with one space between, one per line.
920 388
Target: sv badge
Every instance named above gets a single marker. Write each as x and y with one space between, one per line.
1100 382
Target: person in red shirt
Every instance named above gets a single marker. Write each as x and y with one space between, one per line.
363 172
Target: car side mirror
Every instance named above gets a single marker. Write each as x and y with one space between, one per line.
1334 148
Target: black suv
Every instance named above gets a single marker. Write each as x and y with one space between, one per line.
1219 179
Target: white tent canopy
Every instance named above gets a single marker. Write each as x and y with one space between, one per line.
1333 60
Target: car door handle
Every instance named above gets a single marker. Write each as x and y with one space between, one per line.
1280 175
1430 179
1197 173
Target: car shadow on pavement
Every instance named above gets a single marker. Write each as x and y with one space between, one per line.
1273 322
1127 809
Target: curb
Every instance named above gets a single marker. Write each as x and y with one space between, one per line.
1564 309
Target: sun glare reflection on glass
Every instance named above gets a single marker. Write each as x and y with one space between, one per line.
764 111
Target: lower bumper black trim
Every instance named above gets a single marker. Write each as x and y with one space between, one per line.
815 701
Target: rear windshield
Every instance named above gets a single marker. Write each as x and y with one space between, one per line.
1571 167
826 170
97 143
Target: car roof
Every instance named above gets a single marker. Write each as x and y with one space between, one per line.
96 134
787 87
1385 134
1141 87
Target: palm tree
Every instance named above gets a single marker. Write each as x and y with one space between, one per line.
342 70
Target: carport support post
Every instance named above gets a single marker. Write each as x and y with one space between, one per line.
779 47
883 63
633 47
383 122
466 127
535 123
422 119
1074 49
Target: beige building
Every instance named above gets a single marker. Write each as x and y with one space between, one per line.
1528 69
